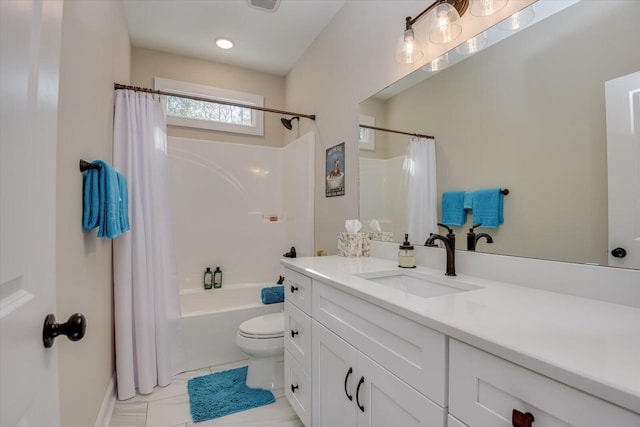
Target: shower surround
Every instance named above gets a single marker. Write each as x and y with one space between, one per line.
239 207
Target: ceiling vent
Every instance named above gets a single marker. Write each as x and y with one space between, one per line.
265 5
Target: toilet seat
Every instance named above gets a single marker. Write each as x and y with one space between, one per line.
263 327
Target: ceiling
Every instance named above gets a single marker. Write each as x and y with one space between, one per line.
270 42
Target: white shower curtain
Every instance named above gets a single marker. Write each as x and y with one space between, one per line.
420 178
149 347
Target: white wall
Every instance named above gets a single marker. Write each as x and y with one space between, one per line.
223 195
147 64
95 54
383 194
352 59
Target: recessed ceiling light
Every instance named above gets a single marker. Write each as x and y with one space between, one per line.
224 43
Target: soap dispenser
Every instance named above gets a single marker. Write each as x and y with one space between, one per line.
208 278
217 278
406 258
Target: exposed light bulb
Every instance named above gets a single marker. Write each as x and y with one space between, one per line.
408 52
486 7
440 63
473 45
444 27
518 19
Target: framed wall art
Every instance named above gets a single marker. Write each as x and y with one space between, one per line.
334 182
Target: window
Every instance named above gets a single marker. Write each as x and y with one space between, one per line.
367 136
212 115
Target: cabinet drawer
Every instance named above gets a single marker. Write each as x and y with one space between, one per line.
484 390
297 335
298 290
297 388
414 353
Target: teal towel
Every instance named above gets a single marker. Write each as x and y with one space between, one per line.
468 200
453 212
488 207
105 201
272 295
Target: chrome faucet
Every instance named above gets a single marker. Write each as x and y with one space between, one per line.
472 237
450 245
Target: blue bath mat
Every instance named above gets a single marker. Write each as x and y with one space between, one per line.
223 393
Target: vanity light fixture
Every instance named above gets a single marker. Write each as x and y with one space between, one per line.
473 45
518 20
440 63
444 26
408 52
486 7
224 43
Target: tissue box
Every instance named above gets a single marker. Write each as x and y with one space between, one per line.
353 244
381 236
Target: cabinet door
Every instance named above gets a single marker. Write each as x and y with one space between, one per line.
333 380
383 400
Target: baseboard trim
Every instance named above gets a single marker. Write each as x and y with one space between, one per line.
109 401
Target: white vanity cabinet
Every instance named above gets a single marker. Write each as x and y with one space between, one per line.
372 367
297 343
485 390
350 389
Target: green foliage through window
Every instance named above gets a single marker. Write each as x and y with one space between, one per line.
211 111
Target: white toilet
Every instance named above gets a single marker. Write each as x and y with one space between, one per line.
262 338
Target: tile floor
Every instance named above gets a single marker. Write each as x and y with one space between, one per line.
169 407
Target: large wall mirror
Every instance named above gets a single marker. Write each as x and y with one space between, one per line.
527 114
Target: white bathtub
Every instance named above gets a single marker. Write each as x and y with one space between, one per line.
210 320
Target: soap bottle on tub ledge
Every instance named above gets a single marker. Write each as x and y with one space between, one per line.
217 278
406 258
207 280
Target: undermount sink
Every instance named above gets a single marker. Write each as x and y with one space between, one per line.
418 284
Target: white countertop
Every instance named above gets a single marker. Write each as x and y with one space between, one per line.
591 345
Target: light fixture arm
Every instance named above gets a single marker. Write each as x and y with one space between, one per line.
460 5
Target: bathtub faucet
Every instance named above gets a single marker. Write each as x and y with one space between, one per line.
291 253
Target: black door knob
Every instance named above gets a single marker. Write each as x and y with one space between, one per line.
74 328
618 253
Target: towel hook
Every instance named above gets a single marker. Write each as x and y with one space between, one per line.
85 166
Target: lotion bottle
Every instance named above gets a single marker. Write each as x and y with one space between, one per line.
406 258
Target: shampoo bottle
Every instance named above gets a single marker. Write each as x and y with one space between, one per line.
208 278
217 278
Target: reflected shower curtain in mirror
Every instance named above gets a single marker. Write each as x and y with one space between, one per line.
419 171
149 347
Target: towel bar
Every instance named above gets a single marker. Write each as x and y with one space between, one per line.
505 191
85 166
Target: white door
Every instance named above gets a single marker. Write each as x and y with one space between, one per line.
623 158
334 380
29 68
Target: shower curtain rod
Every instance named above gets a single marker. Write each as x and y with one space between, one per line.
396 131
216 101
